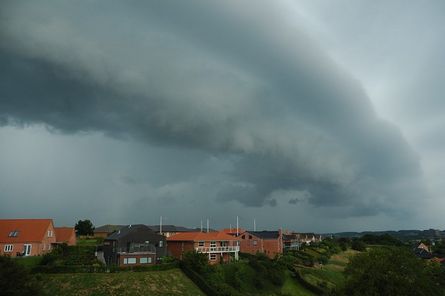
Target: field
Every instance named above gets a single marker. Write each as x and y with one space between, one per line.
155 283
331 274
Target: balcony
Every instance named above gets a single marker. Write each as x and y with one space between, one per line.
225 249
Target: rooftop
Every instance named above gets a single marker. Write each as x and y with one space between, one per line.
23 230
201 236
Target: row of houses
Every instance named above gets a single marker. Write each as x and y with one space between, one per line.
133 245
32 237
130 245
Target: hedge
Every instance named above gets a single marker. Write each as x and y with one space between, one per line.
315 289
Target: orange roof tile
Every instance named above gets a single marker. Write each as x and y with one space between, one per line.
233 230
29 230
63 234
201 236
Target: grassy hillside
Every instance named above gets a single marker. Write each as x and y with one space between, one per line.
329 275
293 288
154 283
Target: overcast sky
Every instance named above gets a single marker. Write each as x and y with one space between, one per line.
308 115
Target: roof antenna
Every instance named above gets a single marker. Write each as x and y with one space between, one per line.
201 225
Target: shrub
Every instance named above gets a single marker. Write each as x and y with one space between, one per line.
390 271
358 245
198 262
16 279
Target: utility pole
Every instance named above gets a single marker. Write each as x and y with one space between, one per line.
207 224
201 225
160 225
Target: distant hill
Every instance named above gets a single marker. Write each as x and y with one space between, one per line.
403 235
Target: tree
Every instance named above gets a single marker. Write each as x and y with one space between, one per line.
198 262
84 227
391 271
15 280
358 245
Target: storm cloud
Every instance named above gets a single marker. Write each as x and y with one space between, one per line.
239 81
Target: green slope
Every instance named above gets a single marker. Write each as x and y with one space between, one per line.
155 283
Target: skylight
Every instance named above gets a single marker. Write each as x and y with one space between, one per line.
14 233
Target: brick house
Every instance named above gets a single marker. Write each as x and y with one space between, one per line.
169 230
134 245
105 230
266 242
65 235
219 246
26 237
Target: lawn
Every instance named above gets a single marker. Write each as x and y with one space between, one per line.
293 288
155 283
89 241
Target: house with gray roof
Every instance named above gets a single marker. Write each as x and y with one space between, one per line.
134 245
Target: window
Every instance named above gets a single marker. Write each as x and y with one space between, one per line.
213 244
14 233
201 244
213 257
161 243
250 237
243 237
50 233
145 260
129 260
8 248
255 242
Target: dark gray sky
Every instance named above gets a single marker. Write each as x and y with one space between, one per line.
308 115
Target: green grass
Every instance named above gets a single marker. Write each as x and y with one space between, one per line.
28 262
293 288
155 283
89 241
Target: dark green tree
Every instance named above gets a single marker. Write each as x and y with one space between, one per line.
358 245
391 271
198 262
84 227
15 280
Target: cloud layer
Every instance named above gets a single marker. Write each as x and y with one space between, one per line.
242 83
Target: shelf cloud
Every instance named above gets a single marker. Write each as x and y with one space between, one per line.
235 79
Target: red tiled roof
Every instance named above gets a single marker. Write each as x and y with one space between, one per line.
233 230
63 234
29 230
201 236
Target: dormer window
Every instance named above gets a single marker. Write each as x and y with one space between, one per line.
50 233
